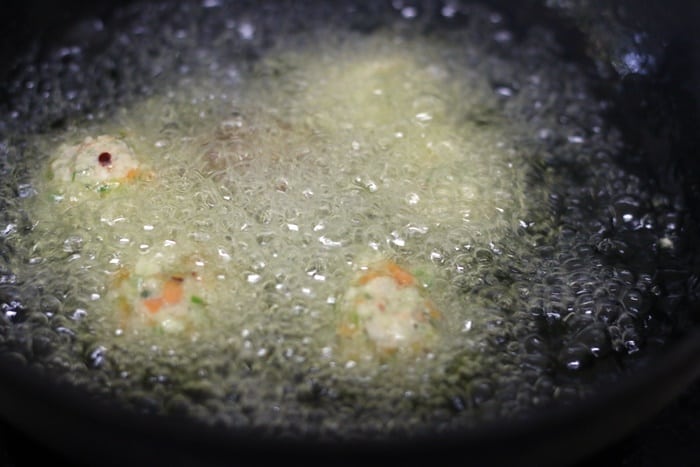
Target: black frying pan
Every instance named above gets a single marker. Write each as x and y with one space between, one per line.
656 106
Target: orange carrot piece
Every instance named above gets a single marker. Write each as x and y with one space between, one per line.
369 276
172 290
153 304
400 275
133 174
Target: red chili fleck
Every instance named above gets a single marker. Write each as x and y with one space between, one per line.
105 159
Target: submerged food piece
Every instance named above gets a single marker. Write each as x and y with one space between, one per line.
255 142
173 302
96 162
385 309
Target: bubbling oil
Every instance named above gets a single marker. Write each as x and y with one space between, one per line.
483 164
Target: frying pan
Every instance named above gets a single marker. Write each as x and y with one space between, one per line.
647 53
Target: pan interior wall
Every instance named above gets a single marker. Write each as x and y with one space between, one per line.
281 152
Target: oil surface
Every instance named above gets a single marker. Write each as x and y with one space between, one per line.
283 156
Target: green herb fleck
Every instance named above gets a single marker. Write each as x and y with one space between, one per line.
197 300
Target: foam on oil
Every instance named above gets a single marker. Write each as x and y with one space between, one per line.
449 151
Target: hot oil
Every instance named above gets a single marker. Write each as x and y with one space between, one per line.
281 158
